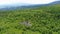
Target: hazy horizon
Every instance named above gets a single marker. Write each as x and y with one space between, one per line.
4 3
7 2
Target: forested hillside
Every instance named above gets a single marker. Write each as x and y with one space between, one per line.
41 20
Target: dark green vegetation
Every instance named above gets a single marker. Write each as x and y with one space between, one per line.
44 20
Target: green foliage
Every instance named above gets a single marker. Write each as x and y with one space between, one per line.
44 20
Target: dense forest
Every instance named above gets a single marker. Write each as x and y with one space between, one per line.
40 20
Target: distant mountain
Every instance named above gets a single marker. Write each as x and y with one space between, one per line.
23 6
56 2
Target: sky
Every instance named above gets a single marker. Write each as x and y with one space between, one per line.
4 2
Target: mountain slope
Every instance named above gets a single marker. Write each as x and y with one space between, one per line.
41 20
56 2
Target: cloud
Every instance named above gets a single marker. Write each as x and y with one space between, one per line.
2 2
